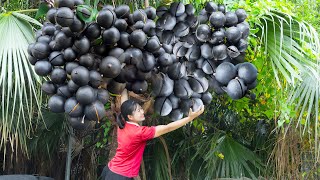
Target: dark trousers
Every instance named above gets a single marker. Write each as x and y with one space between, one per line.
107 174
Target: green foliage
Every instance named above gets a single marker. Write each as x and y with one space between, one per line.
20 86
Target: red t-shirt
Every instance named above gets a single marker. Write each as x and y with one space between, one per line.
131 143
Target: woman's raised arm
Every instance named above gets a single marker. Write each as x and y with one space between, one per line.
163 129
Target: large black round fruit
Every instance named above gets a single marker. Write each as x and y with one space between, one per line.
70 66
73 87
86 95
219 52
110 67
95 111
73 108
211 7
49 88
111 36
56 104
106 18
233 35
92 31
177 70
162 106
147 63
225 72
182 89
198 85
79 123
81 46
51 14
166 22
103 96
40 50
151 12
176 114
153 44
206 51
206 98
241 14
56 58
58 76
115 87
86 60
248 72
64 3
203 33
177 9
231 19
236 89
64 91
233 51
139 15
77 25
139 87
122 11
138 38
69 54
80 75
217 19
43 68
162 85
95 79
64 16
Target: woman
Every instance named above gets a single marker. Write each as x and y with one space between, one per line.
132 138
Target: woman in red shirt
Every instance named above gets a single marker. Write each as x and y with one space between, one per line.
132 138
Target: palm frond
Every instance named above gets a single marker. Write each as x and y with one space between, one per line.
306 98
19 85
229 159
287 41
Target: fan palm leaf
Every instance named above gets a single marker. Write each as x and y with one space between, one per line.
19 85
229 159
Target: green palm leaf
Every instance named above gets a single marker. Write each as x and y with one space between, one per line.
284 38
19 85
229 159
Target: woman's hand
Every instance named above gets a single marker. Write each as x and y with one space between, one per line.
195 114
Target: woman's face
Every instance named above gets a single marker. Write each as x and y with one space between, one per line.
137 115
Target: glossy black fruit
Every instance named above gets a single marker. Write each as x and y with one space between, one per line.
81 46
241 14
86 95
248 72
217 19
56 104
219 52
58 76
49 88
80 76
138 38
122 11
40 50
95 111
73 108
231 19
233 35
106 18
111 36
203 33
92 31
64 16
162 106
103 96
110 67
43 68
236 89
225 72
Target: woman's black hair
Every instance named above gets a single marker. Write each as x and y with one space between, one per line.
127 108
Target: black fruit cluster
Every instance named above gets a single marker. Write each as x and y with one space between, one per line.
170 52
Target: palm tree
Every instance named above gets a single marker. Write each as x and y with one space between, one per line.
20 86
